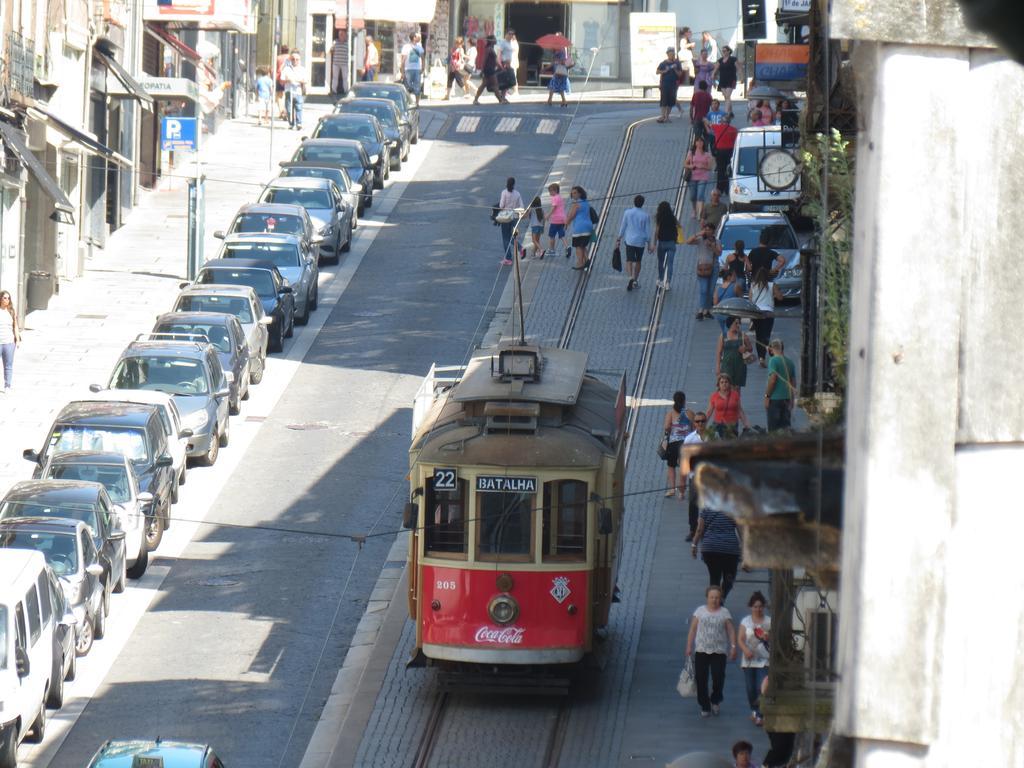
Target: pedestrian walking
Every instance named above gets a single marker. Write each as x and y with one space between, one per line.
635 230
700 105
753 639
667 232
580 221
510 203
698 162
371 61
725 73
715 210
715 115
763 293
725 411
726 289
10 337
780 392
282 61
718 540
705 67
741 754
734 348
457 70
411 65
686 48
736 260
508 57
677 425
559 82
765 257
556 220
708 251
711 641
339 64
490 73
296 80
670 74
265 94
537 226
724 135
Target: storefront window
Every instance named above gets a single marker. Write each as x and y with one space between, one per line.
483 18
595 25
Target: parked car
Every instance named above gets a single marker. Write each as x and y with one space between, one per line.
747 191
145 753
170 419
748 227
131 507
191 373
131 429
240 301
401 97
367 130
68 548
65 637
225 333
296 264
341 153
26 645
75 500
395 128
331 215
269 218
274 292
350 191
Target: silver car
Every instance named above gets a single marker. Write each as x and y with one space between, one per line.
291 257
351 192
780 237
331 215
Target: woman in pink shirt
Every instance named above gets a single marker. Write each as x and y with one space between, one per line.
556 220
699 162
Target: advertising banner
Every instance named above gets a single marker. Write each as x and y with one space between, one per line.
780 63
649 35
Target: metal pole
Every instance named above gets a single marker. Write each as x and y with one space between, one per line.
349 69
275 47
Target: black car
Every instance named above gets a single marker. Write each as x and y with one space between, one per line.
340 153
400 95
395 128
130 429
367 130
272 289
75 500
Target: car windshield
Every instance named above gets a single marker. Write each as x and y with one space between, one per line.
779 236
58 548
231 305
259 280
307 198
284 223
218 335
336 155
84 512
338 175
345 129
127 441
384 93
113 477
382 112
173 375
279 254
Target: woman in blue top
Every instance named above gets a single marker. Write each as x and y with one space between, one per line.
580 224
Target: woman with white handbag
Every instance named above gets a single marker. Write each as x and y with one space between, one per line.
510 203
711 641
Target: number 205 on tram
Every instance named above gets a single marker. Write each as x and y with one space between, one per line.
516 474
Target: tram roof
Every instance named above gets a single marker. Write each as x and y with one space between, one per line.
557 380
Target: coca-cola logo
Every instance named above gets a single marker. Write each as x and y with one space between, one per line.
503 636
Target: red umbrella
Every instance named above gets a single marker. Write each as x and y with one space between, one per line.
554 42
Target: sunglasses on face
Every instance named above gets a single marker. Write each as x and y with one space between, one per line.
700 421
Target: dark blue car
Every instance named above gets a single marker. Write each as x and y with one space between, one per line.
273 290
343 153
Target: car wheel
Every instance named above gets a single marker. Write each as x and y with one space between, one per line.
348 240
154 532
73 666
369 200
99 624
225 435
38 726
291 327
9 746
378 180
209 458
174 488
315 301
277 340
141 563
304 317
120 583
234 406
84 638
408 149
256 376
416 137
396 163
55 695
247 378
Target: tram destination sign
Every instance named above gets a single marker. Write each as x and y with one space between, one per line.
506 484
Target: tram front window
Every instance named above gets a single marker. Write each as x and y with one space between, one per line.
446 520
565 520
505 524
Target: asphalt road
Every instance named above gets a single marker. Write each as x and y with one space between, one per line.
241 643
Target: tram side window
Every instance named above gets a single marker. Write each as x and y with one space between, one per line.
505 524
565 520
446 519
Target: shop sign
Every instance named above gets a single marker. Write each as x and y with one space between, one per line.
178 133
650 34
795 6
780 63
165 87
232 15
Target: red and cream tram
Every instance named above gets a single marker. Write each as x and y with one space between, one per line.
516 471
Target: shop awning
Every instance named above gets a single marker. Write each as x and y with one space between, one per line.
83 138
179 46
132 89
15 139
409 11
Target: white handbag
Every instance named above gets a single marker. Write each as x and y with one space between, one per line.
687 684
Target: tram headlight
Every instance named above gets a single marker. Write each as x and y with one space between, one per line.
503 609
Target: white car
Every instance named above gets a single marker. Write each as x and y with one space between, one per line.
747 190
170 418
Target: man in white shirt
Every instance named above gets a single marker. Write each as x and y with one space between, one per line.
295 81
412 65
508 53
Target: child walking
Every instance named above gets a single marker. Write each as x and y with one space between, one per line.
265 93
556 220
537 226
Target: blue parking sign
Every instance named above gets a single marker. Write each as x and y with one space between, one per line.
179 133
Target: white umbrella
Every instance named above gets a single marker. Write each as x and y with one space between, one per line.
207 50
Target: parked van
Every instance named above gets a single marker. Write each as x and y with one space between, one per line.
747 191
26 649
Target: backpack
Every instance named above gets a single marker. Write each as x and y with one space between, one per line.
594 216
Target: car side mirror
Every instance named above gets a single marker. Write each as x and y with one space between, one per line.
21 662
68 619
266 320
164 461
95 387
229 376
186 432
117 535
145 497
409 516
222 393
30 455
316 239
94 569
183 285
604 521
219 234
287 288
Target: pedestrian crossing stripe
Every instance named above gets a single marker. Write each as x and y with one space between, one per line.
467 124
547 126
508 125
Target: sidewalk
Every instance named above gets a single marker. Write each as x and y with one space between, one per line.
76 341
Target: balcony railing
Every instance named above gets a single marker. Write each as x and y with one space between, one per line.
21 65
